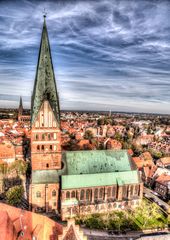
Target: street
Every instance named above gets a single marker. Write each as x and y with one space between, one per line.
148 193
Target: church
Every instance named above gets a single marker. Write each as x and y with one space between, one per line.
72 183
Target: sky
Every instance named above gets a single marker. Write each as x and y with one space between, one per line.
107 54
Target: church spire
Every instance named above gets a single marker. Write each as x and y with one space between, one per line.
45 85
20 109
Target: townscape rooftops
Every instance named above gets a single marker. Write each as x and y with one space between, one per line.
163 178
99 179
165 160
100 161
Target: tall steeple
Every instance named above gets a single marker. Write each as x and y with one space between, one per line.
45 85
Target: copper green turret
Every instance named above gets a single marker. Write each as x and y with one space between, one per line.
45 85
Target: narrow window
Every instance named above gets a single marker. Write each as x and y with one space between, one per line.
47 165
49 136
38 147
51 147
37 124
38 194
36 136
42 147
43 136
53 193
55 136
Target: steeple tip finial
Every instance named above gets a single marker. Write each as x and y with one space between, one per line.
44 13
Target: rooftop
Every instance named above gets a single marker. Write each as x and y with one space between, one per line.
100 179
100 161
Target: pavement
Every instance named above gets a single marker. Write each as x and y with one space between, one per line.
132 235
104 235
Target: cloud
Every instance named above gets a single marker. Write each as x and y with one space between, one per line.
108 53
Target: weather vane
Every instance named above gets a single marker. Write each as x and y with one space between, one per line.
44 13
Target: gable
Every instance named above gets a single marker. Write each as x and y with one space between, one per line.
45 117
72 232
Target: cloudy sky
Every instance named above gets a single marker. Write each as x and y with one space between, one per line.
107 54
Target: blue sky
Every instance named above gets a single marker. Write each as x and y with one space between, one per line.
107 54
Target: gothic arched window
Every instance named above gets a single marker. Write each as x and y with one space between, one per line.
73 194
131 190
124 194
67 195
113 191
109 192
88 192
101 193
96 193
136 189
82 195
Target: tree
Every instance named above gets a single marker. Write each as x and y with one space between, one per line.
100 121
118 136
148 215
19 166
14 195
88 135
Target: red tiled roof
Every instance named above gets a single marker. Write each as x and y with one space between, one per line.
29 222
163 178
165 160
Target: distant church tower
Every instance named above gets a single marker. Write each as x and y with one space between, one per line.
45 133
20 109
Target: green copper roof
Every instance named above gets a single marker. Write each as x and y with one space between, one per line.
100 179
45 176
45 85
103 161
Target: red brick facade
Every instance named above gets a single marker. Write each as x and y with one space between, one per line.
45 140
99 199
44 197
45 155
